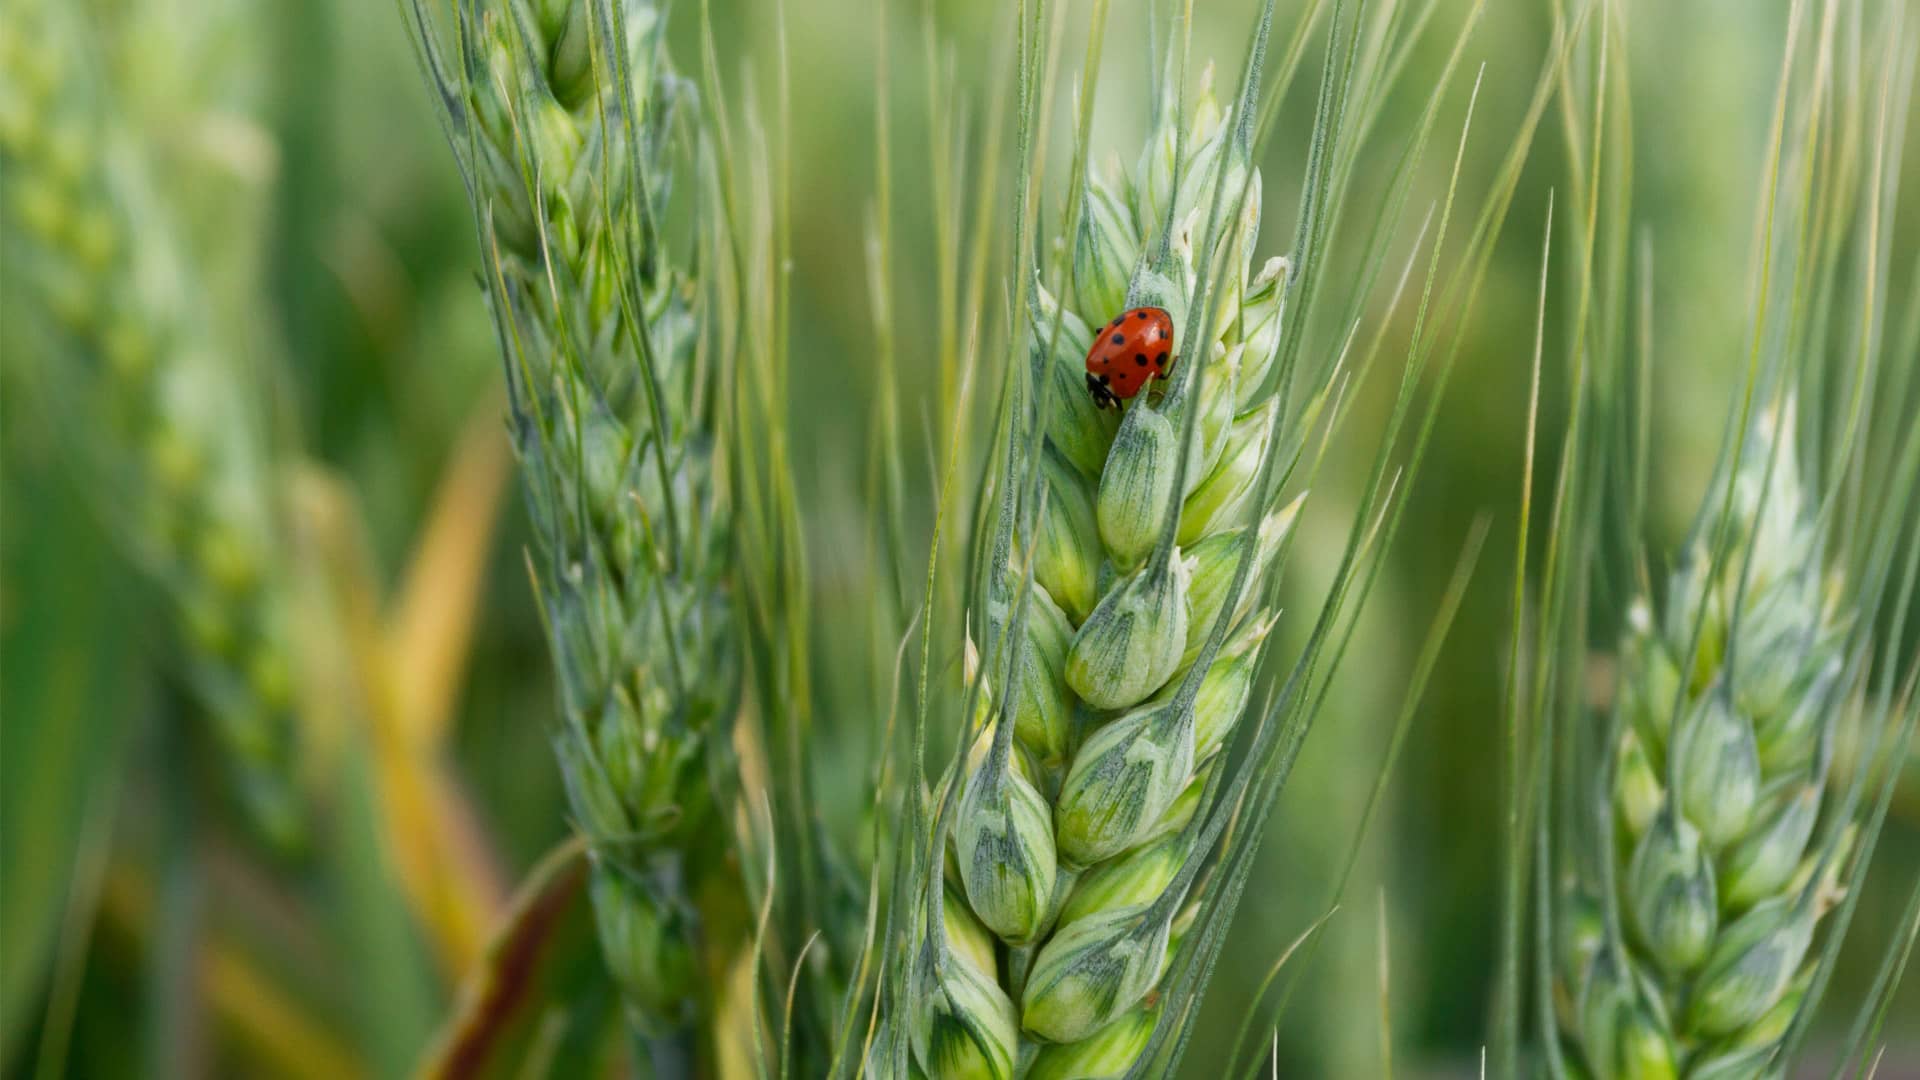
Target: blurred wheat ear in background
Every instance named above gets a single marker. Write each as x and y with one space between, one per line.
571 128
851 695
1720 779
1697 815
160 410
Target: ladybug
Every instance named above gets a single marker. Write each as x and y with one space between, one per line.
1133 348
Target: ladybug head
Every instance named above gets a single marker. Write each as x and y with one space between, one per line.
1103 397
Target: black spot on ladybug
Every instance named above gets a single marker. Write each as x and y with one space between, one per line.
1160 361
1158 333
1139 314
1140 358
1117 320
1119 339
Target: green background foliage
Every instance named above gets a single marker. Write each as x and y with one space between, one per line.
128 901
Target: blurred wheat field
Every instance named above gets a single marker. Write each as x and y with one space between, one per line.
278 703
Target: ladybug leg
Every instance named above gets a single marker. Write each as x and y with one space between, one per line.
1168 373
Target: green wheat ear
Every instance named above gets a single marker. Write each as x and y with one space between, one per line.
1122 578
1696 848
1120 595
1728 836
152 402
571 126
1081 776
1723 774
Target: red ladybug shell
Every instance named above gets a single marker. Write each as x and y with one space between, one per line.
1127 352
